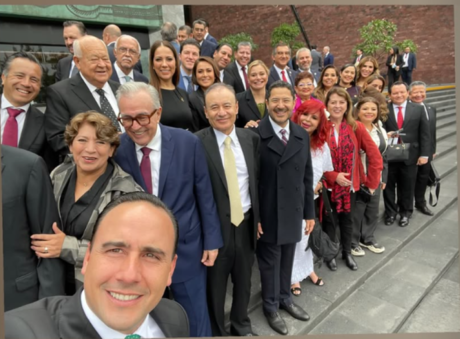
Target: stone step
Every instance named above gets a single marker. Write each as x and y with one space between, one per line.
325 302
446 108
446 145
443 103
383 303
446 121
444 114
445 132
431 94
444 97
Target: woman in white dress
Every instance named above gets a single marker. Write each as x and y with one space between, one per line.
311 115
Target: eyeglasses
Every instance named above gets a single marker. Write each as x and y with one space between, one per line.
142 119
302 85
123 50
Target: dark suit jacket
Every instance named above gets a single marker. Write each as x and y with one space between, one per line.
196 102
63 317
137 66
286 184
137 77
207 48
184 187
63 68
232 68
247 109
274 76
28 208
399 62
328 60
415 127
316 64
63 101
432 123
356 58
411 62
249 142
212 39
229 79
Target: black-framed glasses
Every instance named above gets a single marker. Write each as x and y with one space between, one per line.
142 119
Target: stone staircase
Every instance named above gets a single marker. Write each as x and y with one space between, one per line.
380 296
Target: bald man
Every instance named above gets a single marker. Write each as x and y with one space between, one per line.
90 89
110 34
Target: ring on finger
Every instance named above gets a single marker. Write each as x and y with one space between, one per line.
46 249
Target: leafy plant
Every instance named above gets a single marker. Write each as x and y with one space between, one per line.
234 39
288 34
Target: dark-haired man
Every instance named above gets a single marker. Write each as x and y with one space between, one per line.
279 71
223 57
207 47
66 68
239 68
129 262
189 53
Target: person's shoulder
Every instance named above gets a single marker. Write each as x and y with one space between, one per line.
179 134
175 315
19 155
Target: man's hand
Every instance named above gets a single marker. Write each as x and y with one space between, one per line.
209 257
259 230
422 161
252 123
309 225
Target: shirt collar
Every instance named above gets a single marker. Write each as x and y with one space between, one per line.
277 128
221 137
93 88
403 105
279 69
239 66
6 104
103 330
205 36
182 72
121 74
155 143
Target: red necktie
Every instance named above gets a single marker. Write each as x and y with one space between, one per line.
10 133
284 77
146 169
400 117
245 77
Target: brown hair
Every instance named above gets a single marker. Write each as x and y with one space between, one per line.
319 90
373 92
373 77
258 63
349 112
361 64
105 129
303 75
154 80
213 65
364 100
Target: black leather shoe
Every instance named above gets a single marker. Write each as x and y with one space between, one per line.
404 221
276 323
425 210
234 333
389 221
349 261
296 312
332 265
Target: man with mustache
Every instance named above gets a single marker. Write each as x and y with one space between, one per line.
90 89
223 57
127 52
129 262
279 71
286 199
65 68
239 68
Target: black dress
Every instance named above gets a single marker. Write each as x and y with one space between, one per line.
176 111
199 119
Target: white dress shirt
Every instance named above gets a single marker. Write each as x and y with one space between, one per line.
221 75
241 167
406 60
286 74
108 94
155 158
121 74
148 329
396 110
277 128
240 72
20 118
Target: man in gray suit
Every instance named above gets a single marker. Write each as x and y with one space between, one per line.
317 64
129 263
28 207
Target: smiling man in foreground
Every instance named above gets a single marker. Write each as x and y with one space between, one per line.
130 261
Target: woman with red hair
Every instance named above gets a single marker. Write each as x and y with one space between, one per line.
311 115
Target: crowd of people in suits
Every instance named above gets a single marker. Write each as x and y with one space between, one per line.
220 161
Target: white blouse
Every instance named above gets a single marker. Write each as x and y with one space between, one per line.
321 162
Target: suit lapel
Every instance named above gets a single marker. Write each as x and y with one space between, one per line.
81 90
391 117
274 74
167 152
32 126
67 66
133 163
407 116
210 145
247 147
291 77
252 105
293 146
236 74
266 131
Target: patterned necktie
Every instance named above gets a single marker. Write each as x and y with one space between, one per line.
146 169
245 77
400 117
133 336
190 85
284 76
10 133
107 109
127 78
283 137
236 209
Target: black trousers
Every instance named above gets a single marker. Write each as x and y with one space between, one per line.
393 76
235 259
406 75
275 265
365 217
421 183
403 177
344 222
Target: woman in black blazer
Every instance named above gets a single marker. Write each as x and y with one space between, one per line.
251 103
204 74
394 63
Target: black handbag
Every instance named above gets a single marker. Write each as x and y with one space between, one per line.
319 242
398 152
434 181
